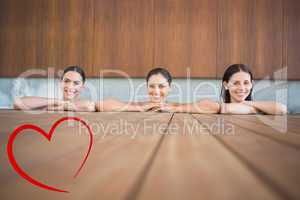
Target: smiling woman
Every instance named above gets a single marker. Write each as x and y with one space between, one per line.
237 94
158 87
159 84
72 83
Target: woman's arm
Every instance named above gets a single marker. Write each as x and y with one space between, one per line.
31 103
268 107
237 108
109 105
116 105
204 107
80 106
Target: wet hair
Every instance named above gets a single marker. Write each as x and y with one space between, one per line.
232 69
165 73
75 69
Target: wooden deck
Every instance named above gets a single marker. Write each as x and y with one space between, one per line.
155 156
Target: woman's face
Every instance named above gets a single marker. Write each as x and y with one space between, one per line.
158 88
239 86
71 84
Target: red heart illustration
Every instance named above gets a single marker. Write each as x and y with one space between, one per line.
19 129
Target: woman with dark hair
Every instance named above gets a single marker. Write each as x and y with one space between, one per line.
158 87
158 84
236 94
72 83
158 75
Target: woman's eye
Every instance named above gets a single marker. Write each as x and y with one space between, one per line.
161 86
76 82
235 83
66 81
152 86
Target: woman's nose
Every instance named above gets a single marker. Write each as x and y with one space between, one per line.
242 87
156 90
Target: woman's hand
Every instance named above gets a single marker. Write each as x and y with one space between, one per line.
166 107
55 108
149 107
60 105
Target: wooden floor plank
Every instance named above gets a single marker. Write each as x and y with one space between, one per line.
146 163
29 141
278 122
275 163
267 128
191 164
112 169
295 116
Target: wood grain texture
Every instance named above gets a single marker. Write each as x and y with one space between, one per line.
192 164
152 156
268 34
269 160
200 38
43 34
277 122
123 37
274 129
292 41
115 163
234 32
68 34
185 37
18 34
251 32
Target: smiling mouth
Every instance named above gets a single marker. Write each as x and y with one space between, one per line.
241 94
70 93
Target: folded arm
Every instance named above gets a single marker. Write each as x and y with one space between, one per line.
268 107
116 105
79 105
31 103
237 108
204 106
